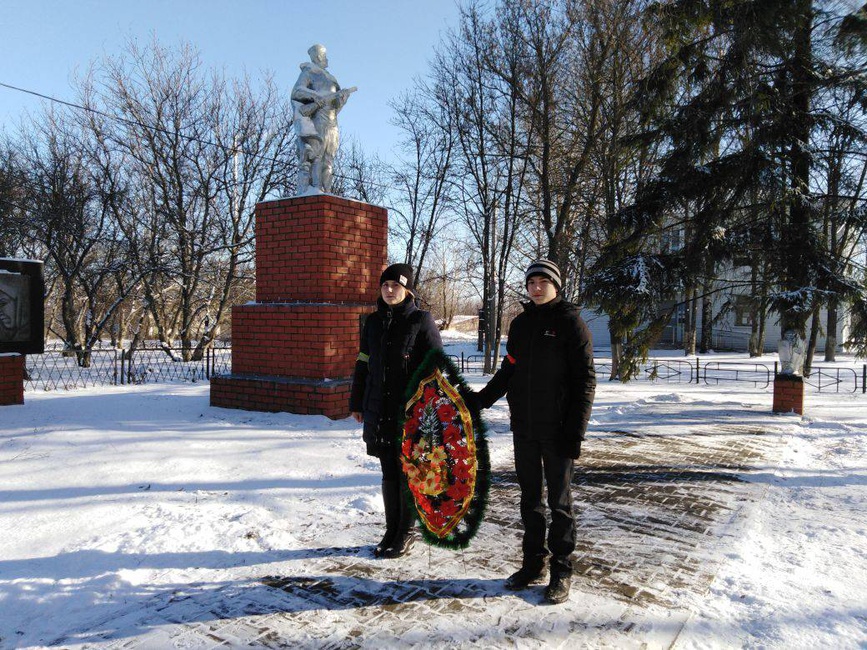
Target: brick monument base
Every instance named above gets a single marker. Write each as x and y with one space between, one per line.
11 379
318 262
788 394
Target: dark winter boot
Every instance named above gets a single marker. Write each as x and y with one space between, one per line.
391 500
557 590
531 572
405 535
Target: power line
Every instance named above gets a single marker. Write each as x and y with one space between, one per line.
178 134
128 121
230 150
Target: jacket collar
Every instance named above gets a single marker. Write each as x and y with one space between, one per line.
551 305
400 310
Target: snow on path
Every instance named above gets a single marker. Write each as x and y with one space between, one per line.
796 576
125 509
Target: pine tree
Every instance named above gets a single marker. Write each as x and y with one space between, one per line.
736 108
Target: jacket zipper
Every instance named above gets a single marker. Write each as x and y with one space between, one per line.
530 374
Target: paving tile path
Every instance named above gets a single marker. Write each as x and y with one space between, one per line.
655 513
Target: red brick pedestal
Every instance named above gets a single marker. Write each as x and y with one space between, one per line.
789 394
11 379
318 262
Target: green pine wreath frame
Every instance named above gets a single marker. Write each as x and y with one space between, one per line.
455 535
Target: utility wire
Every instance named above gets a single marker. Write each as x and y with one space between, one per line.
124 120
128 121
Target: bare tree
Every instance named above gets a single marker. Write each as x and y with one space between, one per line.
620 163
421 175
13 214
566 47
257 136
197 153
477 75
447 287
360 176
88 271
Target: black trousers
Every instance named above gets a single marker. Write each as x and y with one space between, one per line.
538 466
389 460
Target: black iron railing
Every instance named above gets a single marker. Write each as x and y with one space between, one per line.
67 369
62 370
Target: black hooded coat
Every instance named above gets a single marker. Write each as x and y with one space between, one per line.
547 375
394 342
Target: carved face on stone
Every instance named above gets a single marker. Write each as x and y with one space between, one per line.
318 56
7 311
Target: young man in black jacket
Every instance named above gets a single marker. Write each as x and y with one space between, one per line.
549 380
394 342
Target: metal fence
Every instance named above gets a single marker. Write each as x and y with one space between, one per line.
822 379
60 370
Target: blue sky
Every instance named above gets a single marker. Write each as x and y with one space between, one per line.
378 46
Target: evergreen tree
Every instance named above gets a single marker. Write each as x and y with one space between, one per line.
735 106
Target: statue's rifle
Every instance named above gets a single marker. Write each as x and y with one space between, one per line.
308 109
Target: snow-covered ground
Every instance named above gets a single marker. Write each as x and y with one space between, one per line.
796 576
111 495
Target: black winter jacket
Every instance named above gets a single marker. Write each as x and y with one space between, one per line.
548 375
394 342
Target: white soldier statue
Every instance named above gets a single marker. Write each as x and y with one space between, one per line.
316 98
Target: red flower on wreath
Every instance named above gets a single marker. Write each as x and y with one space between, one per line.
436 520
411 426
462 471
459 491
452 435
430 394
448 508
446 412
460 452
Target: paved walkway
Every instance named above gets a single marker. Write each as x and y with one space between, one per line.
656 513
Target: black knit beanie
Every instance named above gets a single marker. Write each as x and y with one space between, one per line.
545 268
400 273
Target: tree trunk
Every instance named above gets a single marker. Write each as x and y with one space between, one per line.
83 357
831 331
689 325
706 343
491 334
797 239
616 354
755 346
763 323
763 308
811 343
491 322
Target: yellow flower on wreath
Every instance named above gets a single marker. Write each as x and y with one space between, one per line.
437 456
410 470
432 483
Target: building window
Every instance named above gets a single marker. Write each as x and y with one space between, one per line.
743 307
